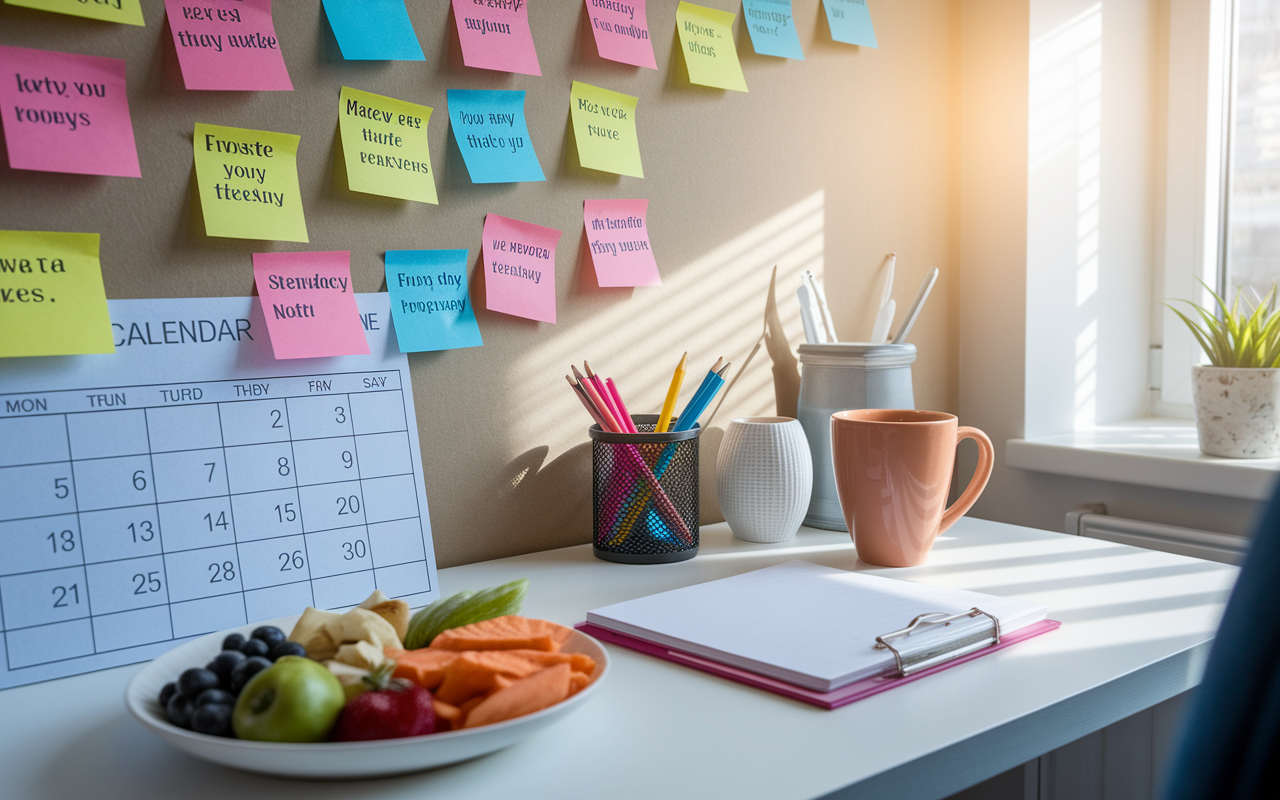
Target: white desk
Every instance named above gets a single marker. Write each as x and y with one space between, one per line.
1136 629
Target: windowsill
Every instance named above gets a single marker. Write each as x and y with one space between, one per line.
1156 451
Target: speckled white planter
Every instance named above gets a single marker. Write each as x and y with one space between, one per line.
764 476
1237 411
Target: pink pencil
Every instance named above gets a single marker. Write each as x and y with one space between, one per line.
586 403
621 406
595 381
602 406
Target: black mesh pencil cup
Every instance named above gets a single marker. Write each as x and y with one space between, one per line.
645 488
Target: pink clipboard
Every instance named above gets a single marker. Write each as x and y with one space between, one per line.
836 698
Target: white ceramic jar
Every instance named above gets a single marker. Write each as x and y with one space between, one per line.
838 377
764 476
1237 411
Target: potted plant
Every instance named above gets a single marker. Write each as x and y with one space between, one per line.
1237 395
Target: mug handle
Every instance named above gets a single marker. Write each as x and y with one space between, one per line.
981 474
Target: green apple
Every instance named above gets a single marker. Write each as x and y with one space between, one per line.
294 700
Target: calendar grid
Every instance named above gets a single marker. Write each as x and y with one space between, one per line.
359 475
159 530
76 504
302 515
168 492
222 442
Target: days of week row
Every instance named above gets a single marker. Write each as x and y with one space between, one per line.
72 401
107 434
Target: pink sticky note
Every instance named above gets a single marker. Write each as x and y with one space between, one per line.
495 35
227 45
64 112
309 304
619 240
520 268
622 32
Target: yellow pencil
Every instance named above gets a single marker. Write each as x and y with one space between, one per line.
673 394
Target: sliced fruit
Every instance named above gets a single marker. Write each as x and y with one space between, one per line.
351 678
465 709
394 611
361 654
496 601
448 717
579 661
578 681
527 695
361 625
477 672
426 624
424 667
308 633
505 633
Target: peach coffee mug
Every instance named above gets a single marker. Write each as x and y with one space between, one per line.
893 473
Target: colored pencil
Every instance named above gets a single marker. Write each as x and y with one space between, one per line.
586 403
689 417
624 414
604 392
601 406
652 487
695 401
673 394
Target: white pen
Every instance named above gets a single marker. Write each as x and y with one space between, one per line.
806 314
824 308
892 258
914 312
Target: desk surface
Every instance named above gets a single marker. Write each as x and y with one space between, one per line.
1136 629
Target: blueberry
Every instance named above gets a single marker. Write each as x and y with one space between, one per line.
213 719
255 647
245 670
233 641
196 680
287 649
179 710
223 663
269 634
167 693
215 697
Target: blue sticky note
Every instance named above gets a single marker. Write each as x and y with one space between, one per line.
850 22
772 28
490 130
373 30
429 304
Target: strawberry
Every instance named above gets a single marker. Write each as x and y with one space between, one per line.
392 708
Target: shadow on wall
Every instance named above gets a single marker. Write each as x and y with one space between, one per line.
711 307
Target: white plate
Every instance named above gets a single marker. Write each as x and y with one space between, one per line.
336 759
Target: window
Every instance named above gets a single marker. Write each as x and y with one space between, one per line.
1222 193
1252 209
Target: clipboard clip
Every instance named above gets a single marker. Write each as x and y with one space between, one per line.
926 643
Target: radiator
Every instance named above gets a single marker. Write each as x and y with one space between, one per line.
1094 522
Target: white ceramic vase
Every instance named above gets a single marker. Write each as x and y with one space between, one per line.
1237 411
764 476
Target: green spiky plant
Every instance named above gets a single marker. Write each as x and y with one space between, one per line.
1243 337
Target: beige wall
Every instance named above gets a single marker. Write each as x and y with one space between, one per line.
826 164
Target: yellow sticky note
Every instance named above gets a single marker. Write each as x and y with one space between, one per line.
604 123
51 298
706 39
384 143
249 183
127 12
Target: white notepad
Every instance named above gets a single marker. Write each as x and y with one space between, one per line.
802 623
